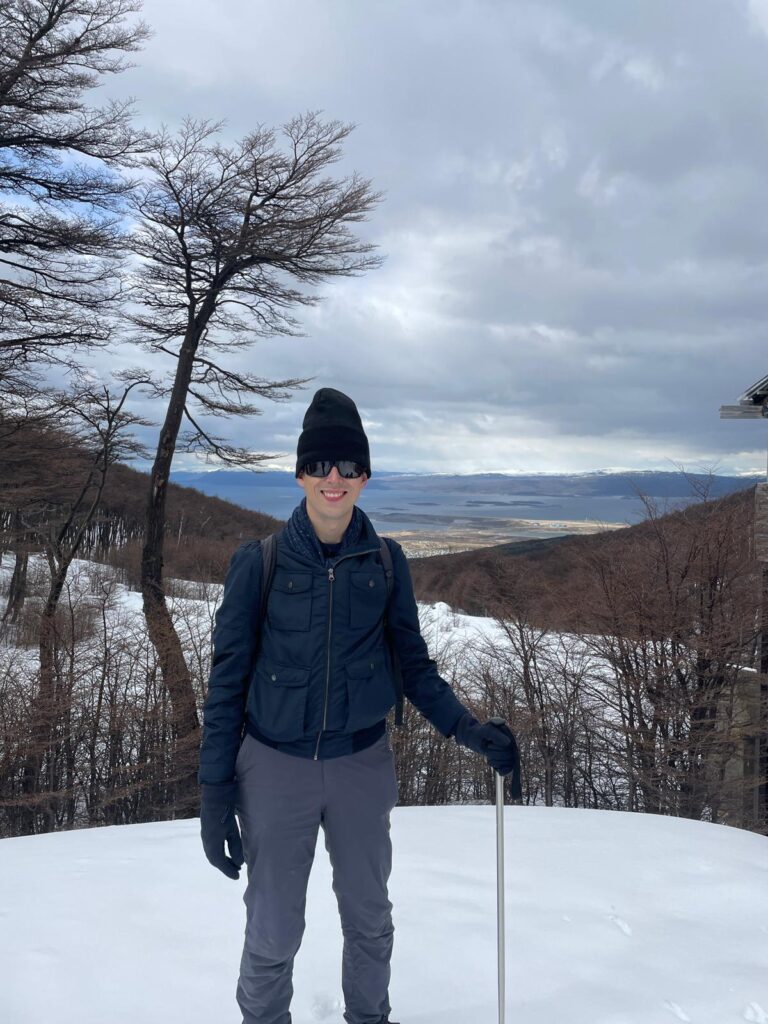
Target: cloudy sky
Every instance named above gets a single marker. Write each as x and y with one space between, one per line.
574 229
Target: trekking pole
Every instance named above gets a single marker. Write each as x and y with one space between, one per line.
500 881
500 887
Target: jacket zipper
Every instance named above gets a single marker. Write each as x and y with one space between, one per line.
331 579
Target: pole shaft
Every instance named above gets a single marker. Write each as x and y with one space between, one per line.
500 888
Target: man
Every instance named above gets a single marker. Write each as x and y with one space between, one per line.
311 680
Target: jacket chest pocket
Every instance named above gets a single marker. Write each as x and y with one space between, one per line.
367 597
290 600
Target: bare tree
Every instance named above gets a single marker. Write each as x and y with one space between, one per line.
674 623
60 188
100 422
229 240
37 457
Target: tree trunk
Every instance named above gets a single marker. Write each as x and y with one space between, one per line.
160 626
18 588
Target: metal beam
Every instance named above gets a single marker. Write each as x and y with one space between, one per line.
741 412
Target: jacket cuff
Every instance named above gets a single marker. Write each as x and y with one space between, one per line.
223 793
466 721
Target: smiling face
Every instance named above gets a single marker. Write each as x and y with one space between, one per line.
330 501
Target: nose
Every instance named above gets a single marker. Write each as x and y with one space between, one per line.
334 476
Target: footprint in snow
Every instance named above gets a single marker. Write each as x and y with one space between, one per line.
621 924
756 1014
678 1011
325 1006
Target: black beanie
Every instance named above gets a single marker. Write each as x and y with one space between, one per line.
332 430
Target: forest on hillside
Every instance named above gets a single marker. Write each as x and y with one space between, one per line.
672 606
626 659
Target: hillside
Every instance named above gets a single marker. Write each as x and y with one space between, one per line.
203 531
42 472
558 576
46 472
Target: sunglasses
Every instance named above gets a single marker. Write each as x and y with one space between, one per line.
347 469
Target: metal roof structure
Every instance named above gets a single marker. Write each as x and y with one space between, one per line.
753 404
755 395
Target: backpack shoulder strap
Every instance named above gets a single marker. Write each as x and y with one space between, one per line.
389 572
386 561
268 547
268 559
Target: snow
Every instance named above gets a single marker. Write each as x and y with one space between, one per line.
612 918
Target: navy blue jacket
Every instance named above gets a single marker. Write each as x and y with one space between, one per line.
313 676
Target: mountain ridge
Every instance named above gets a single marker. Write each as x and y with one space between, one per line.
657 484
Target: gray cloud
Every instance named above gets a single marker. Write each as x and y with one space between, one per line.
576 251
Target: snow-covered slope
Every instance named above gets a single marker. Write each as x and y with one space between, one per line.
612 918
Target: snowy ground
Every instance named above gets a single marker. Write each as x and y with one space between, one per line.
612 918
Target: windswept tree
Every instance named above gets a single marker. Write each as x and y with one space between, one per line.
60 183
230 239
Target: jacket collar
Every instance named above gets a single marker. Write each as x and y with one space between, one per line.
302 539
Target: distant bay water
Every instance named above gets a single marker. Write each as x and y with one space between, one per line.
489 504
401 509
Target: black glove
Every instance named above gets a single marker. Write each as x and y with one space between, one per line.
217 824
497 743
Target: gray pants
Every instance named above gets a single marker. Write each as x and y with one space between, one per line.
282 800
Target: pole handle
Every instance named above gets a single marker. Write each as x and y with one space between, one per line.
499 777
